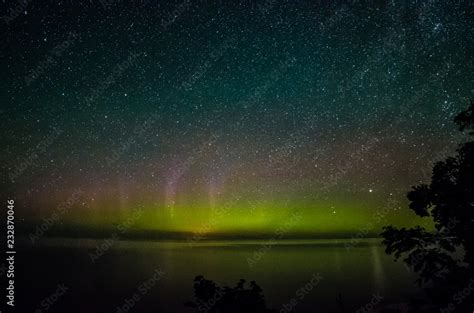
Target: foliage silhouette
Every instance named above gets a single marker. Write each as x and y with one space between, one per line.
210 298
443 258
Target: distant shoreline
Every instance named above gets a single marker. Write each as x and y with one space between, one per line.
84 232
24 242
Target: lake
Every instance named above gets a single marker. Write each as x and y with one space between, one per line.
168 269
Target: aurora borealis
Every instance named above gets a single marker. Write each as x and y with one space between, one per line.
229 117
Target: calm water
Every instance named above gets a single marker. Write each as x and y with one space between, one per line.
283 269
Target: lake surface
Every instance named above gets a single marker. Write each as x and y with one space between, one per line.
281 270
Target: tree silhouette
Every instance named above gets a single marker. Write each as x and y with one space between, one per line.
443 258
210 298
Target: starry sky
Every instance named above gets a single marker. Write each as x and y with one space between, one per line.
221 117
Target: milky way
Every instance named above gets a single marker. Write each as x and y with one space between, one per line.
230 117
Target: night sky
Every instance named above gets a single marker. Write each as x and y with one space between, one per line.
229 117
